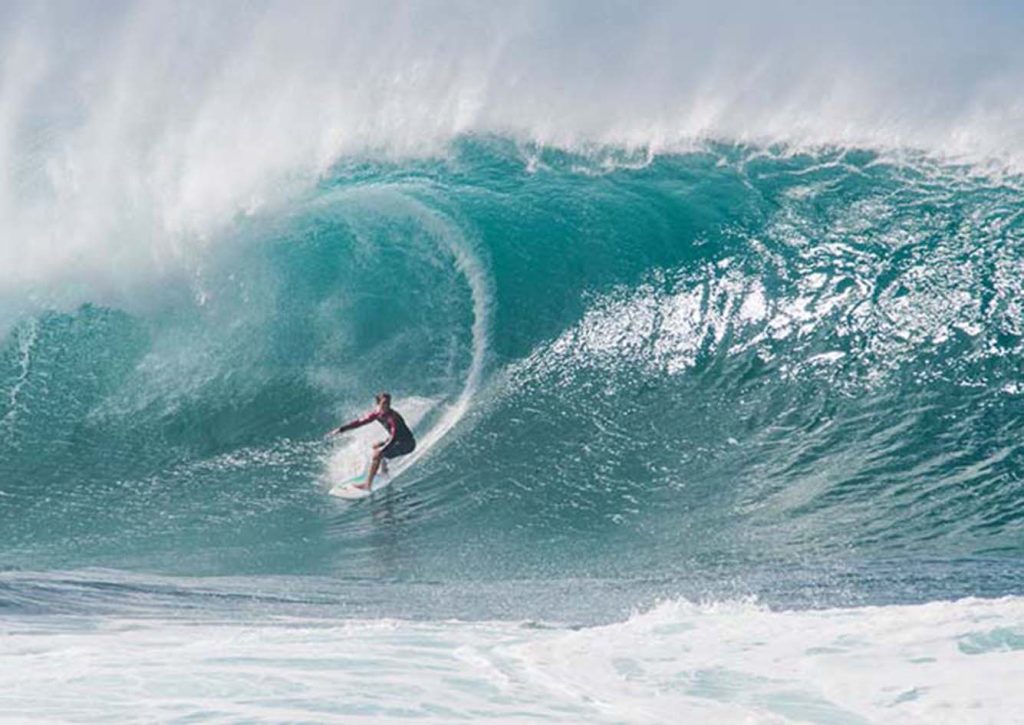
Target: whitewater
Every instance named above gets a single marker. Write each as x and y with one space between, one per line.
709 323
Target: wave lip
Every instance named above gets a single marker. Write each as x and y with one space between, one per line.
139 104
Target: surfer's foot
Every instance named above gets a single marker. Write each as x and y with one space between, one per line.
363 486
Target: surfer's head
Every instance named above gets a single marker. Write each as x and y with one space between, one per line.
383 401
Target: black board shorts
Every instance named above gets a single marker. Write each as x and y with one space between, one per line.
399 447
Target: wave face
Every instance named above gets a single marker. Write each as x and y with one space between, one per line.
702 364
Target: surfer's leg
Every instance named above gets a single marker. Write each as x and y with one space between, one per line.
374 465
397 447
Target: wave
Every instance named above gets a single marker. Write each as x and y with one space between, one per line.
731 360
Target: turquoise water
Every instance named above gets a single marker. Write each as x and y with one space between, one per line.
723 359
705 421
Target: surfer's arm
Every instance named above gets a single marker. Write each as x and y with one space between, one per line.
357 423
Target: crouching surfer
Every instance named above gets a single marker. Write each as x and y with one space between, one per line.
400 440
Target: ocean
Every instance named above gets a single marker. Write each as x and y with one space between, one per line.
709 324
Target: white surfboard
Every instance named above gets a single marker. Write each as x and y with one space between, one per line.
349 488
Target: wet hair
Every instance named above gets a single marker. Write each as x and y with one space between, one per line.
384 396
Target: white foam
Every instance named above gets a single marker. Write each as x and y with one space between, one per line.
942 661
679 662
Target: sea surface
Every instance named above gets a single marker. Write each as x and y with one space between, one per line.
711 337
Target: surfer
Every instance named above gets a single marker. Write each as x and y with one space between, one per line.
400 440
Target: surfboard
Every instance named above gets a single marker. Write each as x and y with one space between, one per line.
348 489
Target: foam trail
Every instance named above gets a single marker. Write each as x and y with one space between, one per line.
476 277
348 459
26 339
